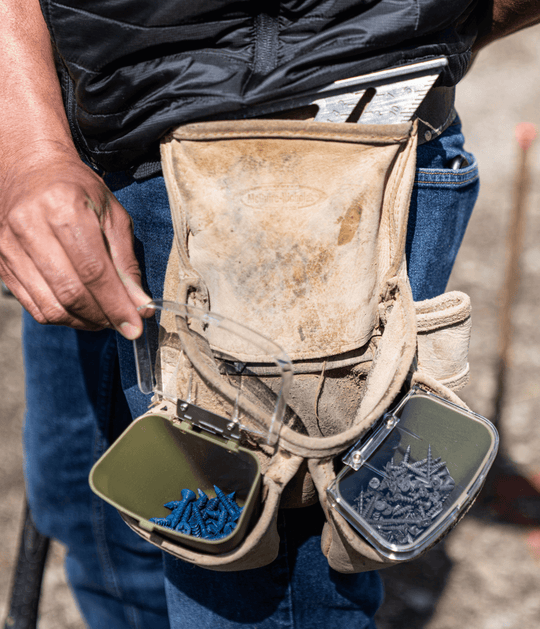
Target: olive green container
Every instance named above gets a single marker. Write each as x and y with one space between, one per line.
156 457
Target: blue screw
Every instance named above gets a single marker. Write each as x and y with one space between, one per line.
213 514
210 519
161 521
211 530
195 528
229 528
231 507
187 497
222 520
196 515
186 516
203 499
184 528
173 504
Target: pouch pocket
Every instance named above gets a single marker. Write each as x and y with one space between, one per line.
292 226
444 331
257 548
442 202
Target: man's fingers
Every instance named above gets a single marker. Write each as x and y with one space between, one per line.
54 283
49 310
84 244
20 294
118 230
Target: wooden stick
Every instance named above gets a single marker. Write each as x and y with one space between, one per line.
525 135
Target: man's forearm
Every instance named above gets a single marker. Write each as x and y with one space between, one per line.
31 101
504 17
66 244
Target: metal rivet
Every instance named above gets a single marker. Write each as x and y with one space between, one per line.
427 136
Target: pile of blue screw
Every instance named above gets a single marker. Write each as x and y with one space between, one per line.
208 518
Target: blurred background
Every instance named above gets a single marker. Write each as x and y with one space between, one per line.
486 575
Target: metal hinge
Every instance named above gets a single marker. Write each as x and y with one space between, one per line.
209 422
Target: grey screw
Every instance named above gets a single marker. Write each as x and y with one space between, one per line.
409 498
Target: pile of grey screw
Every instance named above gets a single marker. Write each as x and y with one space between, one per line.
207 518
409 497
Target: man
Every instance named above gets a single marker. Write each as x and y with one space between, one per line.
130 72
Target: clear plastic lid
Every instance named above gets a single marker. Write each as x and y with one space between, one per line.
175 353
414 476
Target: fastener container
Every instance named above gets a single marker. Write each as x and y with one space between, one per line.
181 445
413 477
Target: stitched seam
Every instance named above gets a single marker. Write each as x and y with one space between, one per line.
443 182
98 525
98 506
240 18
200 54
398 244
288 134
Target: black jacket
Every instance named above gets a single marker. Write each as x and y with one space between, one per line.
132 69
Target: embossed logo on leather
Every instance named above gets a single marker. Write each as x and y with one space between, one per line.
288 195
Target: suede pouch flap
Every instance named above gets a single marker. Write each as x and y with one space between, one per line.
282 223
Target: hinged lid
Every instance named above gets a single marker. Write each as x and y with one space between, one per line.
177 340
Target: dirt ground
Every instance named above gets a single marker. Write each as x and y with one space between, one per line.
487 573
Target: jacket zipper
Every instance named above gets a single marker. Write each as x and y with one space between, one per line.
266 43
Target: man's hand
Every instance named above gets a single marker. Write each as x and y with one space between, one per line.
66 245
66 248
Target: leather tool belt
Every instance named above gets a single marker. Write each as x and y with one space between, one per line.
297 228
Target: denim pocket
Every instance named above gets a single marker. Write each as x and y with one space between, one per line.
441 205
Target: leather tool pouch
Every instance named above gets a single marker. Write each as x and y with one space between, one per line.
298 230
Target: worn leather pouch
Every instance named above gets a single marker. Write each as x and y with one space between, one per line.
297 229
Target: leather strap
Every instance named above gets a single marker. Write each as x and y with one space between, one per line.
436 113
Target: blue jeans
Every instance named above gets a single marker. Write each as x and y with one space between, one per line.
81 393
